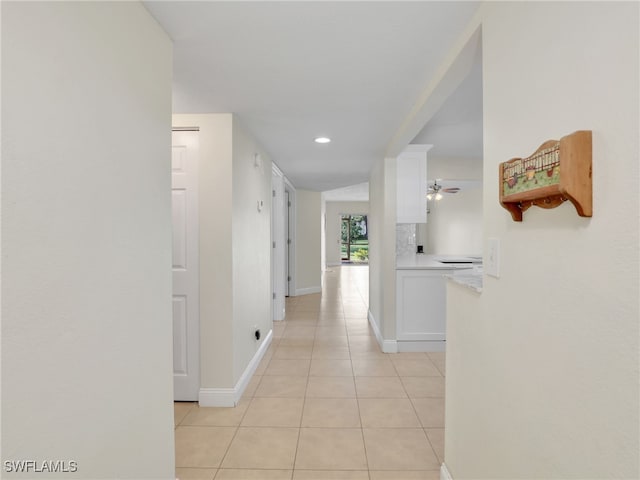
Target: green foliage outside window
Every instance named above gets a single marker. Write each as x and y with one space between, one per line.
354 237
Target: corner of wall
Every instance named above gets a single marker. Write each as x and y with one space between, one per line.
382 247
86 238
388 326
251 244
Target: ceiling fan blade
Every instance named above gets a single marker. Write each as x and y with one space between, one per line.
451 190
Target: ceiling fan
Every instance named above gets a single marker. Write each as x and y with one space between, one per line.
434 190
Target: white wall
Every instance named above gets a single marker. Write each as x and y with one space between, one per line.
382 247
235 247
454 223
333 237
251 247
455 168
86 239
542 367
215 170
376 230
308 239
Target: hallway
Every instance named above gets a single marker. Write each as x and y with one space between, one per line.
325 403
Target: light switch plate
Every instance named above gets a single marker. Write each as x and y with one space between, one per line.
492 263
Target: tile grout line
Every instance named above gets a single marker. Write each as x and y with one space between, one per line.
304 403
295 453
179 424
235 434
355 386
333 300
423 427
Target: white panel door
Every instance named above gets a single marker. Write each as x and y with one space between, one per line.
186 321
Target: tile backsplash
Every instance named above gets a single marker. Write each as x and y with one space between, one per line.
405 238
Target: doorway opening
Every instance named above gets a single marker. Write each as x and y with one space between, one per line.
354 247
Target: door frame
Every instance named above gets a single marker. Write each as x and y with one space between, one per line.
290 219
348 217
279 240
348 249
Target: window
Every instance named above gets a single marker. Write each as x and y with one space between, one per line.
355 240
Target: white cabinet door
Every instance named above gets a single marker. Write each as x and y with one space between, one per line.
411 193
186 322
421 304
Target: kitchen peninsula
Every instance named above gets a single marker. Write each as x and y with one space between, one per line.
421 297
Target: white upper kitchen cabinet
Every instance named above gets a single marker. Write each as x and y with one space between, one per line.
411 174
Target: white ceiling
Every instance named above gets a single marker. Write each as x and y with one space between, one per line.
455 131
296 70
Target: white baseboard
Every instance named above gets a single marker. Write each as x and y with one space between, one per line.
444 473
387 346
246 376
422 346
307 291
217 397
374 327
229 397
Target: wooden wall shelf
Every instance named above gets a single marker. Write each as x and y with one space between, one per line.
559 170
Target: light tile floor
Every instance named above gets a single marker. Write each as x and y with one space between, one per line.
324 404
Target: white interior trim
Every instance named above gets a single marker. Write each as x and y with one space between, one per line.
291 223
422 346
229 397
375 328
444 472
216 397
246 376
307 291
387 346
276 169
279 213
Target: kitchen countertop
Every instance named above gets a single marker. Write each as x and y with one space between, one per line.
471 279
430 262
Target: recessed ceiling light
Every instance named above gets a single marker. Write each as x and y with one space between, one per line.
322 140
